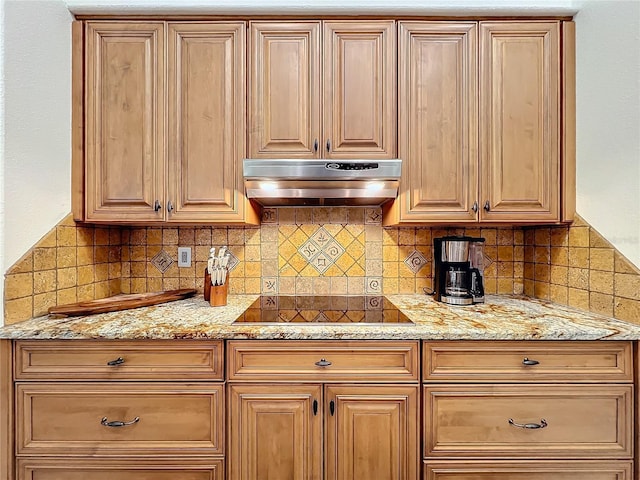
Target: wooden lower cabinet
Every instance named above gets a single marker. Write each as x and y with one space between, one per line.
120 469
370 432
538 470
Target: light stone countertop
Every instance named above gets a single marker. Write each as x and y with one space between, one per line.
500 318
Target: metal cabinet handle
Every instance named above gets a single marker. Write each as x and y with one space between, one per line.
118 423
332 407
323 363
526 361
157 206
474 207
315 145
315 407
169 206
328 145
117 361
530 426
487 206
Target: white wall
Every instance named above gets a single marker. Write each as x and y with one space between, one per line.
37 120
608 120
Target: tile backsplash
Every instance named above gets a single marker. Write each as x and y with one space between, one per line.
317 251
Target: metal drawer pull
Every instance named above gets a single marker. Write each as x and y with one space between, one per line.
530 426
315 407
323 363
117 423
117 361
526 361
332 407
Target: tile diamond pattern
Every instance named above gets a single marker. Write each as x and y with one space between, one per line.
162 261
415 261
321 249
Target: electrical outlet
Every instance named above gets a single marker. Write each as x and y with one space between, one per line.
184 256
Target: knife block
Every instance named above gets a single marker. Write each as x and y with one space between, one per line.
218 295
207 285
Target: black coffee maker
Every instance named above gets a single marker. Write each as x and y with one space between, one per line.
459 270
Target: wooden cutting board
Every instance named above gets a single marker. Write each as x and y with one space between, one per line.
120 302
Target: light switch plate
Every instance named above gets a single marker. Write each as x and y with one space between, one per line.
184 256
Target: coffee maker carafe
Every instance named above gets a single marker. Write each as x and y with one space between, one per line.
459 269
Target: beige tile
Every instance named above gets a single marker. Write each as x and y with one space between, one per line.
407 236
101 236
67 277
44 259
304 216
579 236
44 301
505 269
24 265
287 285
67 295
102 289
390 236
187 282
491 285
518 270
170 236
560 256
579 222
601 282
627 309
529 271
66 236
172 283
518 287
115 270
559 275
101 272
529 287
252 236
601 259
84 236
622 265
125 285
627 285
542 236
219 235
518 236
101 254
115 236
115 253
601 303
579 298
559 294
542 273
186 237
505 237
560 237
18 285
541 290
304 286
529 236
154 237
391 286
579 278
139 285
529 254
45 281
203 236
66 257
18 310
597 241
578 257
505 286
49 240
153 284
86 293
236 236
85 255
355 285
85 275
68 221
542 254
505 253
407 285
490 236
423 236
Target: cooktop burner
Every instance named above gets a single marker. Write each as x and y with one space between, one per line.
327 310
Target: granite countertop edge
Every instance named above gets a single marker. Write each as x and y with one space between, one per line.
500 318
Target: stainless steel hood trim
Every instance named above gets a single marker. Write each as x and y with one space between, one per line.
284 182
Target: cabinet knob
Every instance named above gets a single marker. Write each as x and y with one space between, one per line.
487 207
117 361
118 423
474 207
157 206
315 407
332 407
328 145
169 206
315 145
529 426
323 362
526 361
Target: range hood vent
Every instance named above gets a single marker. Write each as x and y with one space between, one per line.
292 182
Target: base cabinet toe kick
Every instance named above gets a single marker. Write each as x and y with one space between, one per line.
318 410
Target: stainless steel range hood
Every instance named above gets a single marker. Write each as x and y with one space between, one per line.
292 182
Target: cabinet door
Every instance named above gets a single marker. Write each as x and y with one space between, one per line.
124 121
206 85
519 123
437 123
284 83
359 89
372 432
274 432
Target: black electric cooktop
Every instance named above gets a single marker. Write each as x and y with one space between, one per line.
323 310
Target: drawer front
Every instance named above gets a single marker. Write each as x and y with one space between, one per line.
592 362
323 361
121 469
67 419
119 360
582 421
539 470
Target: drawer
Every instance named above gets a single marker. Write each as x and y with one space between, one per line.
119 360
582 421
67 419
120 469
323 361
539 470
530 361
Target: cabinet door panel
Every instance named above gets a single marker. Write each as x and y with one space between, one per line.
274 433
206 121
124 121
284 79
372 433
519 123
438 121
359 89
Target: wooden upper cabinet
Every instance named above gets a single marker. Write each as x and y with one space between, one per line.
437 131
519 121
124 121
359 89
284 79
322 89
206 85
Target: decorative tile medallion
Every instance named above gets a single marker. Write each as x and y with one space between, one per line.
374 285
233 261
269 285
333 250
269 215
373 216
415 261
162 261
321 262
